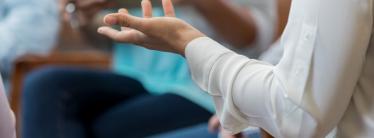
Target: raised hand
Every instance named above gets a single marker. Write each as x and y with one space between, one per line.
158 33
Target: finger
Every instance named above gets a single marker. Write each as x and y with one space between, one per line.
109 32
121 36
111 19
147 9
123 10
168 8
126 20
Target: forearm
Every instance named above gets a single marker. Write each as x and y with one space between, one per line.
235 25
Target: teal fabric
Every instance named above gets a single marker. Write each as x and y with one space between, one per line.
159 72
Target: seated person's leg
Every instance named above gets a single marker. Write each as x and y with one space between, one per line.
147 116
198 131
62 102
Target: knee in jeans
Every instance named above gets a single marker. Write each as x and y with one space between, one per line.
45 77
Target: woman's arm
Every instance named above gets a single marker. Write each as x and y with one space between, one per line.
305 95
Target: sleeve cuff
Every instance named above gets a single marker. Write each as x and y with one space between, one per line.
201 54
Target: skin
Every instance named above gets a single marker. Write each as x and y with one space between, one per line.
150 32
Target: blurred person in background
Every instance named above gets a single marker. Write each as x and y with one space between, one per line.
26 27
151 92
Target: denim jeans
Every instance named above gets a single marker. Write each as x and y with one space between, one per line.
80 103
201 131
198 131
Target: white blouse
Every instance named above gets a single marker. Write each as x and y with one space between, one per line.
7 119
325 79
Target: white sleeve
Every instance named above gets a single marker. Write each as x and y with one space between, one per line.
7 119
307 93
216 69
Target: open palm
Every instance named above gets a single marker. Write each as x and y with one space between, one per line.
158 33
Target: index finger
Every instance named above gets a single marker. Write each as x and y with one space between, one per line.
124 11
126 20
147 8
168 8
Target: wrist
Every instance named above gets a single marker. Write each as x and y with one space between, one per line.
188 37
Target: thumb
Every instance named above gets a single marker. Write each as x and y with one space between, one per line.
126 20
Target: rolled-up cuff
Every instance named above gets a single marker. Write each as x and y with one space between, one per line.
201 54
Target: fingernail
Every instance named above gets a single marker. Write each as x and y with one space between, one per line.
122 10
100 30
109 20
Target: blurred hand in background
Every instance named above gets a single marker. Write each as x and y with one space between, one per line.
215 127
82 12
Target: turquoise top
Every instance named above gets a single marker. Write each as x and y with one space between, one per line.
159 72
